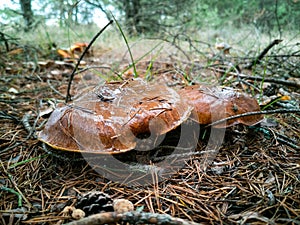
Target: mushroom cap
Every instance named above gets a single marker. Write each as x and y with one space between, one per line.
108 119
216 103
222 46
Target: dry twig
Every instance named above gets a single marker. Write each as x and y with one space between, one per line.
131 218
258 59
68 96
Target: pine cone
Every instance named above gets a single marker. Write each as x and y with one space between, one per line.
270 89
94 202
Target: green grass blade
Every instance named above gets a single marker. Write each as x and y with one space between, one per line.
125 39
140 58
26 161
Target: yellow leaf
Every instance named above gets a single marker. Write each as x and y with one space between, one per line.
285 98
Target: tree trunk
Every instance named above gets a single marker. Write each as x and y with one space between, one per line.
27 14
131 8
62 17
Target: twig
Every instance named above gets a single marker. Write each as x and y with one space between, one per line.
5 115
93 67
68 96
175 45
53 89
282 141
259 78
131 218
281 138
257 61
295 110
28 128
99 5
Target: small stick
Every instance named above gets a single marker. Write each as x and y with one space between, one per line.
131 218
295 110
257 61
68 96
259 78
283 141
92 67
53 89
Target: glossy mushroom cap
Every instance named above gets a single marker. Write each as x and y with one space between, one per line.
109 118
215 103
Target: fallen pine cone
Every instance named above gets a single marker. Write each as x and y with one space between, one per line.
95 202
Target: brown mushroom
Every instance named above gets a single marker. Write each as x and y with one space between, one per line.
108 119
216 103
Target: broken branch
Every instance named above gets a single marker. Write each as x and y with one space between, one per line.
257 61
259 78
295 110
131 218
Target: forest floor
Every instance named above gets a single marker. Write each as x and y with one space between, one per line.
254 176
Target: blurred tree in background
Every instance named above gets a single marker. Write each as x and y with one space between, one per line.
144 16
148 17
27 13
